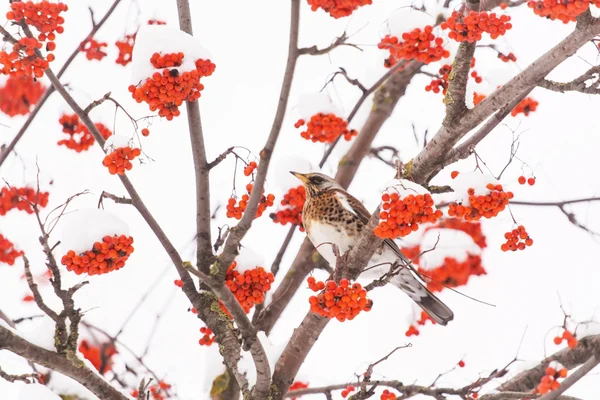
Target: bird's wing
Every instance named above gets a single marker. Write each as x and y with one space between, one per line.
353 205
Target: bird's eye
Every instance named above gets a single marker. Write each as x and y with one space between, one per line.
317 180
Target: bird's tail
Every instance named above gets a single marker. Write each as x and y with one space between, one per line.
419 293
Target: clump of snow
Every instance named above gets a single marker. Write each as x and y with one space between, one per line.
407 19
555 365
595 11
310 104
283 166
404 187
116 141
86 226
67 386
42 333
452 243
163 39
248 259
37 392
465 181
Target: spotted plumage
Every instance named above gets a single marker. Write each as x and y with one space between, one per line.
333 216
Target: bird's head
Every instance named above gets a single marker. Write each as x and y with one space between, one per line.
316 183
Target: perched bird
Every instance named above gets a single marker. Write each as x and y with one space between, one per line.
332 215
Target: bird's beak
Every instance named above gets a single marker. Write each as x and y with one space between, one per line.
300 176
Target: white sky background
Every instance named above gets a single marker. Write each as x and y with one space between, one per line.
249 43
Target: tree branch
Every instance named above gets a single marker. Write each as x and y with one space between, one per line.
74 367
314 51
589 365
457 83
577 85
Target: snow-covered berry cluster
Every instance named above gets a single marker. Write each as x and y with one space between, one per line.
19 94
291 210
419 44
249 286
325 128
470 27
108 255
8 253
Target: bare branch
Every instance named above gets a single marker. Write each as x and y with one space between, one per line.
220 158
579 84
457 82
27 378
36 293
314 51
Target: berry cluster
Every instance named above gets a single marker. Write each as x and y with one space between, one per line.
442 82
476 76
156 22
453 273
568 337
236 211
387 395
22 60
80 138
108 255
338 8
526 106
208 338
249 288
119 160
488 205
100 356
165 91
530 181
507 57
563 10
471 228
343 301
296 386
549 381
160 391
401 216
412 331
470 27
349 389
8 253
21 199
250 168
43 16
325 128
125 47
291 212
517 239
19 94
93 49
421 45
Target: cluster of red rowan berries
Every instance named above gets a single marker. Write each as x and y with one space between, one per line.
453 273
250 168
568 337
338 8
19 94
419 44
349 389
476 77
22 60
43 16
208 338
442 82
530 181
387 395
487 206
93 49
507 57
296 386
470 27
167 90
517 239
292 205
563 10
325 128
119 160
236 211
21 199
526 106
108 255
249 287
125 47
471 228
343 301
80 138
160 391
549 381
100 356
8 253
401 216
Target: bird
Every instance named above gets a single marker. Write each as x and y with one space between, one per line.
331 215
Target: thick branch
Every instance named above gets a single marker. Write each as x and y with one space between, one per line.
432 157
457 82
73 368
